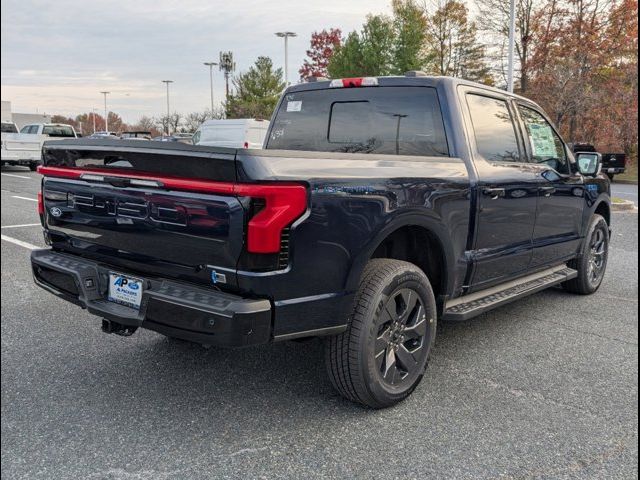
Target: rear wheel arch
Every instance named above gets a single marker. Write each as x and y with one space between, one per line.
412 242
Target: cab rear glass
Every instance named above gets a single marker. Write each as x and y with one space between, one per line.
384 120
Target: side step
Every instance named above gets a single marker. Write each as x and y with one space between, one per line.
474 304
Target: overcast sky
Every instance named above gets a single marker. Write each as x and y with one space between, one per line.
58 55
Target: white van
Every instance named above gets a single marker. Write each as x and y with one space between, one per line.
239 133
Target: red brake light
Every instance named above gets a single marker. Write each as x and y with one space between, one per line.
246 144
284 202
40 205
354 82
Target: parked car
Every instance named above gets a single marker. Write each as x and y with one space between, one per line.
614 164
103 134
24 148
378 207
136 135
242 133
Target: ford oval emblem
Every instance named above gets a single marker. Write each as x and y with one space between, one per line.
56 212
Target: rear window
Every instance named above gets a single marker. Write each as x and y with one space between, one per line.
385 120
58 131
9 128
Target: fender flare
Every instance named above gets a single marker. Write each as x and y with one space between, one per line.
429 222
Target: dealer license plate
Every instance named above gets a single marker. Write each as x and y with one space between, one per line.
125 290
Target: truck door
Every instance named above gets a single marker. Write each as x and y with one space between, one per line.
556 235
506 192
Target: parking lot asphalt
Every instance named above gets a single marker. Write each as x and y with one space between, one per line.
543 388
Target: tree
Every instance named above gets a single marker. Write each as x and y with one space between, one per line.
323 45
169 123
494 18
410 28
256 91
194 119
453 45
368 53
581 48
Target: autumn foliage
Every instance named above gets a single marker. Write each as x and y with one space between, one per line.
323 44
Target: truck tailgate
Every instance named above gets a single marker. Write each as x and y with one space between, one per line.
144 202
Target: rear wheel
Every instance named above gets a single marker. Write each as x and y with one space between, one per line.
610 175
592 263
33 167
381 357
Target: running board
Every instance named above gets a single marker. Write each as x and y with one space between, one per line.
474 304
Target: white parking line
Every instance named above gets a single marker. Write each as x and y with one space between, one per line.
20 243
24 198
23 225
15 176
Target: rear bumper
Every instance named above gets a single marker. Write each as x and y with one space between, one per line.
172 308
614 169
20 158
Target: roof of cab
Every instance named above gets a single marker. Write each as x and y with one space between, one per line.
409 79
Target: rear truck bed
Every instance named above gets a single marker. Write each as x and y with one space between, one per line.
152 235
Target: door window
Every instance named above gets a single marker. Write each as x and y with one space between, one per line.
494 130
546 145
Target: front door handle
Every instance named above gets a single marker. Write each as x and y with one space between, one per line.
494 193
547 191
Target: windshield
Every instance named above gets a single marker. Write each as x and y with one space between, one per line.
58 131
9 128
386 120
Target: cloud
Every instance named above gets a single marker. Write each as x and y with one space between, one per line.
57 56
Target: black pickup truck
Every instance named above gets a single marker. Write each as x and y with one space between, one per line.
377 207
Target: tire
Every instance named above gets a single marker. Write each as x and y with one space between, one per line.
610 175
381 357
33 167
592 262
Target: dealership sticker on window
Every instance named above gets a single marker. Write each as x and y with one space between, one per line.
294 106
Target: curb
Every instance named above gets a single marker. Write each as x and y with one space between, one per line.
623 206
625 182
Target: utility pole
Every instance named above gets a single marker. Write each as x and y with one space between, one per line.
512 40
168 108
106 119
286 36
211 65
228 66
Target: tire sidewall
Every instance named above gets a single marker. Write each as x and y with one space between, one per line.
597 223
415 280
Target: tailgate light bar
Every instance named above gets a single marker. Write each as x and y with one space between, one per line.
285 202
354 82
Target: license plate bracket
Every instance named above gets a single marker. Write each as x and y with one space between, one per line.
125 290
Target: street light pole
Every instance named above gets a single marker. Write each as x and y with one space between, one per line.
106 118
286 36
211 65
168 109
512 38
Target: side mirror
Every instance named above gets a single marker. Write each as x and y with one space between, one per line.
589 163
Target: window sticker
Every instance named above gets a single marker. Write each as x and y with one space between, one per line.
294 106
543 142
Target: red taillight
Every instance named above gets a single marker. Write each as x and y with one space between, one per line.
284 202
40 204
246 144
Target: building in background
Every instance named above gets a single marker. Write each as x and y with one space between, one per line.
22 119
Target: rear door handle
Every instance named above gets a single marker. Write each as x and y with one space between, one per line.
547 191
494 193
